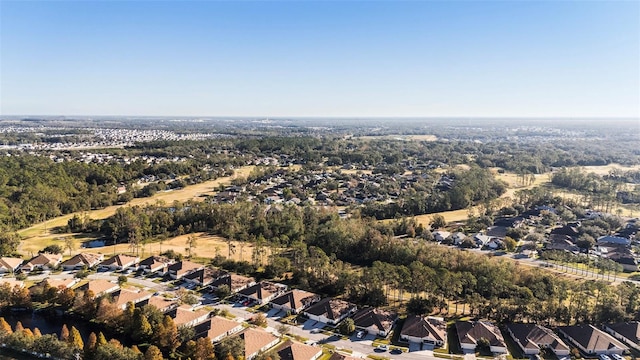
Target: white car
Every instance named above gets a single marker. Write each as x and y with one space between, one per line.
359 334
382 347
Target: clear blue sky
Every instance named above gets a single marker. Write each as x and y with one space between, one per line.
302 58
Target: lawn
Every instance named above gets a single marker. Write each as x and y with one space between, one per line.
40 235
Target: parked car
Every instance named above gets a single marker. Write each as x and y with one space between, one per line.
359 334
382 347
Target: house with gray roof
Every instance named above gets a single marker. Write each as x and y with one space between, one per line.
532 338
628 333
592 341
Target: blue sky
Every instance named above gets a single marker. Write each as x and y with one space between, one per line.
303 58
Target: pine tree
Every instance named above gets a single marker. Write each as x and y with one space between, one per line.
36 332
204 349
75 340
142 329
170 339
135 349
101 339
27 332
64 333
19 327
4 326
153 353
90 345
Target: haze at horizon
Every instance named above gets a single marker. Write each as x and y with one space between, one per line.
417 59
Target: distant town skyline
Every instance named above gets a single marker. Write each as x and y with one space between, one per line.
321 59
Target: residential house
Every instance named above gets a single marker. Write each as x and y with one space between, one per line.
628 332
82 260
570 230
162 304
156 265
182 268
427 330
562 242
329 311
120 262
44 261
609 239
375 321
234 282
186 316
60 283
291 350
469 333
205 276
495 244
100 287
12 282
481 240
124 296
592 341
294 301
339 356
219 328
509 222
532 338
440 235
9 264
262 292
458 238
256 341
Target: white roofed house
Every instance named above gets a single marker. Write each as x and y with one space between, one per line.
120 262
440 235
375 321
126 296
257 341
44 261
424 329
220 327
82 260
9 264
100 287
186 316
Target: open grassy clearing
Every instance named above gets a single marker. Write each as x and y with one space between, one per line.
40 235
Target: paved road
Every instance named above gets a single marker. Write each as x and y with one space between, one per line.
360 348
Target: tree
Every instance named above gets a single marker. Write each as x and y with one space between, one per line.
204 349
75 340
347 326
153 353
420 306
169 339
122 279
438 222
101 339
259 320
90 345
69 244
510 244
230 346
142 330
64 333
283 329
191 243
5 327
223 291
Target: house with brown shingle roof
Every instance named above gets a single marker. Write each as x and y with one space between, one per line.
531 338
628 332
340 356
9 264
375 321
182 268
186 316
262 292
591 340
120 262
124 296
206 276
294 301
219 328
469 333
256 341
44 261
156 264
162 304
330 311
424 329
82 260
235 282
100 287
291 350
